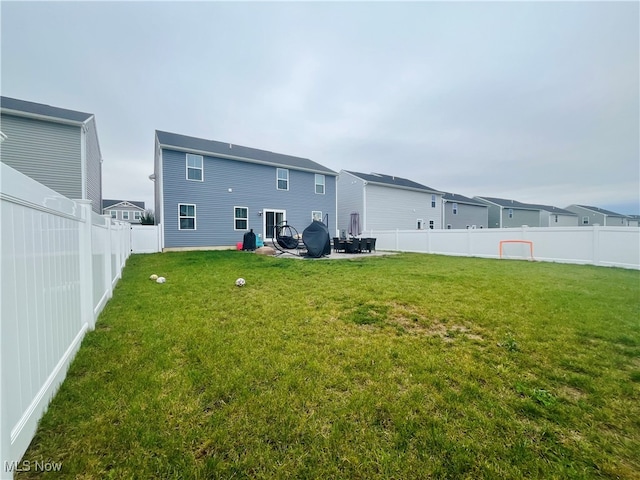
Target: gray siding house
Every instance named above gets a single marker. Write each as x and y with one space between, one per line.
125 210
459 211
551 216
588 216
386 202
505 213
57 147
208 194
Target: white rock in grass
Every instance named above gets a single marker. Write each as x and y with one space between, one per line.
153 277
161 280
240 282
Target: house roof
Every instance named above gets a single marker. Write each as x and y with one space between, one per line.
600 210
456 197
552 209
508 203
238 152
114 203
13 105
391 181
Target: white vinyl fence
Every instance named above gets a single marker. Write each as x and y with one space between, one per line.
59 263
603 246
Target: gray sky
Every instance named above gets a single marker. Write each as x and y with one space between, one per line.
538 102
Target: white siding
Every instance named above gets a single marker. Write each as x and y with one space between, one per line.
350 199
391 208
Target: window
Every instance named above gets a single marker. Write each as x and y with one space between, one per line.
240 218
420 224
137 215
433 201
320 184
125 215
114 214
283 179
186 216
455 208
194 167
585 220
511 213
316 215
431 226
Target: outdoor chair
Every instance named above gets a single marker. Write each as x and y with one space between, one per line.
337 245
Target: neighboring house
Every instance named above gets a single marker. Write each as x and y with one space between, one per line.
459 211
57 147
598 216
506 213
210 193
128 211
634 220
385 202
556 217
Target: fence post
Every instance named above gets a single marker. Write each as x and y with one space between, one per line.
107 258
86 265
596 245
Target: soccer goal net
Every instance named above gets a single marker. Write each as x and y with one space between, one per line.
516 249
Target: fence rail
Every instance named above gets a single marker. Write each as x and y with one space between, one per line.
59 264
603 246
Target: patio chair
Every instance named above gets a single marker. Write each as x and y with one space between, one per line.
337 245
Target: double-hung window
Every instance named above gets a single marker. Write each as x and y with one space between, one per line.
585 220
195 167
186 216
455 208
240 218
433 201
511 213
316 215
114 214
136 215
282 179
319 184
125 215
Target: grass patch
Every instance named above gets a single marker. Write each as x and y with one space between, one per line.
408 366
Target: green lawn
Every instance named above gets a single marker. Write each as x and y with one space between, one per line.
406 366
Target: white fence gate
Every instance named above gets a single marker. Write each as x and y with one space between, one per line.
145 238
59 263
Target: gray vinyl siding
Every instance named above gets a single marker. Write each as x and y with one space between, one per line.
252 186
48 152
548 219
468 215
494 216
94 167
395 208
350 200
119 210
530 218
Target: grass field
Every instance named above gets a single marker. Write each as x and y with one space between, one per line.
406 366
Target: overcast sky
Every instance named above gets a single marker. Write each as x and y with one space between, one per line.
537 102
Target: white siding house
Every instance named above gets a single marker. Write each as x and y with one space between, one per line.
386 202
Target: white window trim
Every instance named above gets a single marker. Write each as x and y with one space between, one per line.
114 214
510 213
432 225
433 201
195 226
323 184
125 215
235 219
278 170
455 209
420 223
585 220
313 215
137 214
187 167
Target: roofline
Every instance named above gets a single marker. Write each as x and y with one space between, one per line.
369 182
466 202
245 159
48 118
612 214
120 203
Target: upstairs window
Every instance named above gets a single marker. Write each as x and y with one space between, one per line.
455 208
319 184
125 215
241 218
511 213
585 220
282 177
186 216
136 215
195 167
114 214
433 201
316 215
